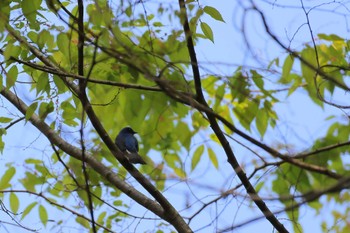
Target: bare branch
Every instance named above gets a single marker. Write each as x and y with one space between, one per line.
216 128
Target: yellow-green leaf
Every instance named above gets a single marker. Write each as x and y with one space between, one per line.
196 156
181 173
29 8
287 67
214 13
31 109
28 209
12 50
5 179
207 31
101 217
83 222
45 109
43 214
261 121
62 44
11 77
213 158
14 203
5 119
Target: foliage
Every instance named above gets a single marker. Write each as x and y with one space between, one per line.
139 71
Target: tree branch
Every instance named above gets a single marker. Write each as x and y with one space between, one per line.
82 86
295 54
216 128
75 152
169 213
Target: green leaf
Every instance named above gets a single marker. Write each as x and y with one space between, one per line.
181 173
287 67
33 161
207 31
29 9
83 222
308 74
261 121
297 83
11 77
11 51
31 109
59 84
30 180
45 38
62 44
5 12
213 158
33 36
214 13
42 84
219 95
5 119
69 113
185 136
258 79
43 214
45 109
3 131
158 24
331 37
2 145
196 156
259 186
14 202
28 209
101 217
5 179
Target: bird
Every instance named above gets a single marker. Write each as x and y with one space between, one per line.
127 143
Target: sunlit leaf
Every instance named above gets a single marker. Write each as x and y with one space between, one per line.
42 84
12 50
29 8
214 13
101 217
5 119
83 222
31 109
5 179
287 67
27 210
43 214
331 37
45 109
207 31
196 156
213 158
219 95
14 202
180 173
11 77
262 121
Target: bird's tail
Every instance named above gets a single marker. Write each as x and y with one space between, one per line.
135 158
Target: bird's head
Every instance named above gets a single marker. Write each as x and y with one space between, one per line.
128 130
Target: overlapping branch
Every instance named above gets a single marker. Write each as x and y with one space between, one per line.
168 212
217 130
